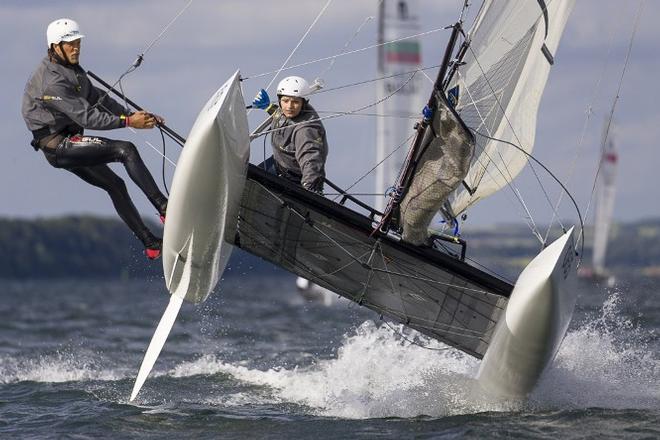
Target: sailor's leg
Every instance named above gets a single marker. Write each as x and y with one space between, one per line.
103 177
87 151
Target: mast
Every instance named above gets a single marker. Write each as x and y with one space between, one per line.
396 19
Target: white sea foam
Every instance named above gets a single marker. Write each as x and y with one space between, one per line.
603 363
58 367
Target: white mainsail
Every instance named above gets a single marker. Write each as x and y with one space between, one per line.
500 87
397 19
604 201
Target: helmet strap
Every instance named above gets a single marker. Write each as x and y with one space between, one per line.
60 59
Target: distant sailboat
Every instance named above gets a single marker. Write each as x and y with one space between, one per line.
605 194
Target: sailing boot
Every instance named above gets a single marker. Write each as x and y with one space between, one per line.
153 247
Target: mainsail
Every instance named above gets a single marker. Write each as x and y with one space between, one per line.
396 19
499 88
604 201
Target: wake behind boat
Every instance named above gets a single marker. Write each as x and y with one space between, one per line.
477 134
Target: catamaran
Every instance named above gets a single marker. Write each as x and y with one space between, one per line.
476 136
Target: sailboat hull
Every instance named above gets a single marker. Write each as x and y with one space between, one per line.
206 190
539 311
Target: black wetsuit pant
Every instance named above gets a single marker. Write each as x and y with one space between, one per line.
87 157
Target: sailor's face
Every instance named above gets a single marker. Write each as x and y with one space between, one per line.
291 106
71 49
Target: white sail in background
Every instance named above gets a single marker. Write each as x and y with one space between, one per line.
397 19
500 87
604 202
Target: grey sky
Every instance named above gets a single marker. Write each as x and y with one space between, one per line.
214 38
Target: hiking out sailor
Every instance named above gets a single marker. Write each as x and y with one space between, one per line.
60 102
300 146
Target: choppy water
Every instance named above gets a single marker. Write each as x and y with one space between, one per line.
258 361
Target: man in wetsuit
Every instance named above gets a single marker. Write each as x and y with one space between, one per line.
60 102
300 146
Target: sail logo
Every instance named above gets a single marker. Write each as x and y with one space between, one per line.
569 258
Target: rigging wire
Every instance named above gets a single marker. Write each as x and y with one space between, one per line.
295 66
140 57
374 115
340 114
501 107
378 164
413 341
309 28
380 78
509 181
132 68
583 133
347 44
615 101
522 150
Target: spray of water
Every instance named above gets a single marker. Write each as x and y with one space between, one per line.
602 363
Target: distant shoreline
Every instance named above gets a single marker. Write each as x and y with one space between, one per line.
87 246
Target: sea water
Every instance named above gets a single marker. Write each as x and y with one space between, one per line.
258 361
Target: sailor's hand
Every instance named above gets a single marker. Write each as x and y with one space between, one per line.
142 119
159 119
261 100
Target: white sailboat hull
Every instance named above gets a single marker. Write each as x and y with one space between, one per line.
539 311
206 191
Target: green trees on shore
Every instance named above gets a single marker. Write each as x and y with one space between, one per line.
94 247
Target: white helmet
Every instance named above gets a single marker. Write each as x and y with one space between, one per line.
293 86
63 29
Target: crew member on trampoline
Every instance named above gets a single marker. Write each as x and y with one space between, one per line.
300 146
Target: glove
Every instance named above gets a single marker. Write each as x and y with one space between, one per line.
261 100
427 113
